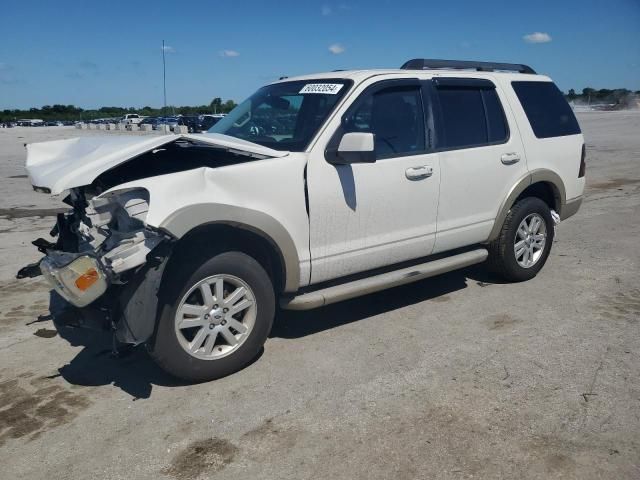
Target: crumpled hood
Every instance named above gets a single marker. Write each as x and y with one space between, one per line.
62 164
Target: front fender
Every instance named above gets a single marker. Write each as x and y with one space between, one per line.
264 196
185 219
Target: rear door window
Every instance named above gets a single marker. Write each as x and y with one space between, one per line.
470 114
548 112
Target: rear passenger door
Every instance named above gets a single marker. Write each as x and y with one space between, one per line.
481 158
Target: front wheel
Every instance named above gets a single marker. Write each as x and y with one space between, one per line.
524 242
216 318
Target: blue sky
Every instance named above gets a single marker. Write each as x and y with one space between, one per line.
107 52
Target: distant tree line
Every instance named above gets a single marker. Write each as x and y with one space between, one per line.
618 96
73 113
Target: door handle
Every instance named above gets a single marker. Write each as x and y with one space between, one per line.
418 173
510 158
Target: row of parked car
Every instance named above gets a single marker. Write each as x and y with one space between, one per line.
195 123
35 122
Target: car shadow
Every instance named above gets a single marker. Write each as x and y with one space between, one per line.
135 372
295 324
132 370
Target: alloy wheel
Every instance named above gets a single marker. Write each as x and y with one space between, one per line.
530 240
215 317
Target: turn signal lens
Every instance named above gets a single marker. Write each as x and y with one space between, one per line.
87 279
79 282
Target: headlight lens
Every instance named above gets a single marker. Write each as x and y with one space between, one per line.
80 282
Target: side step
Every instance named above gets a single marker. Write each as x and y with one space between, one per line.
364 286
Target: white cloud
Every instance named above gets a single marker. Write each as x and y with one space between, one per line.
168 49
326 10
336 49
537 37
229 53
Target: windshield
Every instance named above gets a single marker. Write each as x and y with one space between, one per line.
284 116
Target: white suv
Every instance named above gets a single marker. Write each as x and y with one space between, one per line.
314 190
131 119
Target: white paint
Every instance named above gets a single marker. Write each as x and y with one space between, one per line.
357 142
558 154
63 164
273 186
364 216
473 186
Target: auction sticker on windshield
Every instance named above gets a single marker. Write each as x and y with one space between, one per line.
324 88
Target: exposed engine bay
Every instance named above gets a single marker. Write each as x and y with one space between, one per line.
173 157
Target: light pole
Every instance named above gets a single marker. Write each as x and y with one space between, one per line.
164 83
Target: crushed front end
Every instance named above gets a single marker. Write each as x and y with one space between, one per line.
106 261
109 253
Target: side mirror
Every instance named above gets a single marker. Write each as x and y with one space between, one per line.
355 147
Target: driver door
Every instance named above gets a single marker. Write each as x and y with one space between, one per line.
369 215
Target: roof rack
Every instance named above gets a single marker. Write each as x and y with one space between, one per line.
426 63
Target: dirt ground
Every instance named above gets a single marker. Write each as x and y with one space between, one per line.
454 377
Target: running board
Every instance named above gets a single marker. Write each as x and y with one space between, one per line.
364 286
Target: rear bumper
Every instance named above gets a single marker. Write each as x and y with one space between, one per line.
571 207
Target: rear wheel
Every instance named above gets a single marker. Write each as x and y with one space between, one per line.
218 316
524 242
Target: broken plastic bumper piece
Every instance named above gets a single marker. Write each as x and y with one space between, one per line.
78 279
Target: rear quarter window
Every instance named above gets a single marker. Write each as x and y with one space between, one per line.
548 112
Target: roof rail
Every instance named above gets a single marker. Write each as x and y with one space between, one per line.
426 63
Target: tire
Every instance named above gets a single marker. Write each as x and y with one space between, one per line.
185 318
502 251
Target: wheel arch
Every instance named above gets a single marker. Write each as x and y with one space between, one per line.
250 230
542 183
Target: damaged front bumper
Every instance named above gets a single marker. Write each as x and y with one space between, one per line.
107 260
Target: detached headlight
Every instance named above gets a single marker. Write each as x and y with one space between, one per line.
80 282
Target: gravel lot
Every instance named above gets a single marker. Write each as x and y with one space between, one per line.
455 377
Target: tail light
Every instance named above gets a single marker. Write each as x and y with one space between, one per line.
583 163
